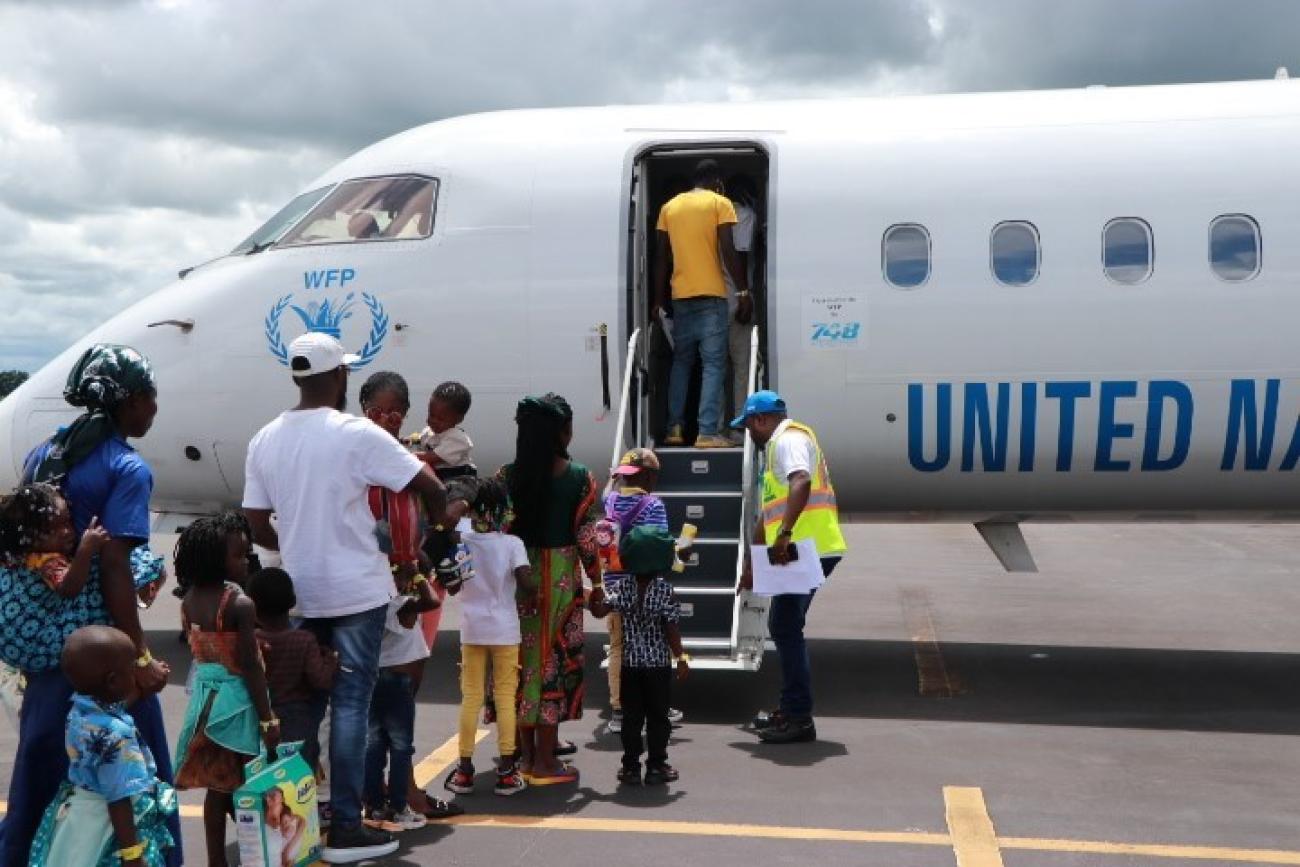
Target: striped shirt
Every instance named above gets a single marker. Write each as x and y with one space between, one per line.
623 508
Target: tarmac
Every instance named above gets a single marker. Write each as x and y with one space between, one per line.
1129 704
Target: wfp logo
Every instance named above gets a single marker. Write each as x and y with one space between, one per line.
327 316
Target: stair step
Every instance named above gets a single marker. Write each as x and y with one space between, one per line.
712 564
694 470
715 513
706 617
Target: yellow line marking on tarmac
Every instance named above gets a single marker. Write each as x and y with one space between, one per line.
972 835
934 679
432 765
699 829
974 841
1154 850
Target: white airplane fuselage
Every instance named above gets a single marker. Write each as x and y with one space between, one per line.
1073 397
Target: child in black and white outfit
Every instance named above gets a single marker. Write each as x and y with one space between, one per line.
651 639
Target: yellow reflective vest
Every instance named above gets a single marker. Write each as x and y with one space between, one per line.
820 519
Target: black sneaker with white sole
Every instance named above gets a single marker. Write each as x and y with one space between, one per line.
359 843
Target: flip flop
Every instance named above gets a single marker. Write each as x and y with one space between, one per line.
569 774
565 748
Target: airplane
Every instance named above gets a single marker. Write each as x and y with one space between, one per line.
1064 305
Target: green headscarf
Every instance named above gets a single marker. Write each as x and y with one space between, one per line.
102 378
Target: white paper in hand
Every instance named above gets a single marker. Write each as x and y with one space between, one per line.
801 576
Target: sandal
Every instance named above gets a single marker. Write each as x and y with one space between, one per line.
568 774
440 809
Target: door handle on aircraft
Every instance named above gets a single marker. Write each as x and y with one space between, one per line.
185 325
604 370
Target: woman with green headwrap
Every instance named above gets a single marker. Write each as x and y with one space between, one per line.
554 501
102 477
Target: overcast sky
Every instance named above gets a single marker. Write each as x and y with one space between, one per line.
140 137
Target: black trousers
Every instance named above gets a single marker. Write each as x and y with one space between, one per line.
645 694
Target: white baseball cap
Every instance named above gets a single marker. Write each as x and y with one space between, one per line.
321 352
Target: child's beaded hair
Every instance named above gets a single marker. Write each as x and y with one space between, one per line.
491 505
25 516
455 396
200 556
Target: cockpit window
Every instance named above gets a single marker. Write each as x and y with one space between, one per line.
370 209
273 228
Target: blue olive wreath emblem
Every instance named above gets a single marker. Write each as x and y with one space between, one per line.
327 317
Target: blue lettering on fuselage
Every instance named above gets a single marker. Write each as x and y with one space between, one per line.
992 415
328 278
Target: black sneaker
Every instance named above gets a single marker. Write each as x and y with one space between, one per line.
789 730
630 776
350 845
765 719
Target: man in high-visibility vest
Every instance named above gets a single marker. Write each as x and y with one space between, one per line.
798 505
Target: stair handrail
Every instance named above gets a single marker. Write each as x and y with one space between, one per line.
747 499
625 399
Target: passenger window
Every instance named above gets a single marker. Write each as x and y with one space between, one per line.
1235 247
370 209
1127 250
1014 253
906 255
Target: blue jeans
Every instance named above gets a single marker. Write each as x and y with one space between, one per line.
41 764
355 637
785 621
391 740
700 327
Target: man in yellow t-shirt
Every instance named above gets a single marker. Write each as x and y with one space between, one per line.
694 243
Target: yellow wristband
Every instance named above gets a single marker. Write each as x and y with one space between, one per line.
131 853
268 724
685 657
420 579
143 661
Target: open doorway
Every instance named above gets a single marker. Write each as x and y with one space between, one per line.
659 174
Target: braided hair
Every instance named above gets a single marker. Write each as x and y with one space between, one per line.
455 395
492 505
542 423
25 516
200 555
382 381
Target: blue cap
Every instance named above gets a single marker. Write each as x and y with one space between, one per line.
759 402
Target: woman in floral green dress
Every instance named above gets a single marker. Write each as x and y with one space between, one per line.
555 502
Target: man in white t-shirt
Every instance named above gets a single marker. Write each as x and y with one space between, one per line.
312 467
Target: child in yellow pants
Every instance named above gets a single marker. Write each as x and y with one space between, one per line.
489 632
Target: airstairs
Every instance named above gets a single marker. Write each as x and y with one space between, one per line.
712 489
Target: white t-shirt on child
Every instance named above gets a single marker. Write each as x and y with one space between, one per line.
401 645
487 602
453 446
